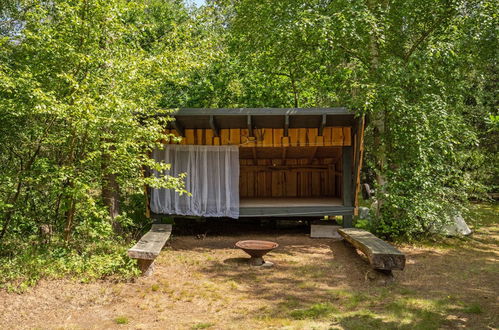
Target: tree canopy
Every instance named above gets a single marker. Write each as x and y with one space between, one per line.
80 79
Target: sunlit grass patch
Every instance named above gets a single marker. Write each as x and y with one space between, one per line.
316 311
483 214
420 313
203 325
360 320
121 320
290 303
473 309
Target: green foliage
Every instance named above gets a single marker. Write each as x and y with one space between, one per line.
78 88
84 86
24 263
420 72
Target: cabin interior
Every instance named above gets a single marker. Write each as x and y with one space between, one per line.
293 162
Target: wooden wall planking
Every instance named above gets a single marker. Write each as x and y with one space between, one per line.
281 177
268 137
289 178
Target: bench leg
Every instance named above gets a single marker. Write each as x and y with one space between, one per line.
347 221
146 266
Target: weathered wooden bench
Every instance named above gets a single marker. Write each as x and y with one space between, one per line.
381 255
149 247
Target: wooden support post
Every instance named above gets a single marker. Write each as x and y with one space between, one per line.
180 130
214 127
323 124
250 126
347 184
286 125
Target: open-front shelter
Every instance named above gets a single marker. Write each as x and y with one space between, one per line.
289 162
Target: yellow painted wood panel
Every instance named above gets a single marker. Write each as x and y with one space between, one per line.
268 137
200 137
208 137
246 140
320 141
189 136
328 136
278 134
347 136
224 136
285 141
302 137
235 136
293 136
312 136
337 137
259 136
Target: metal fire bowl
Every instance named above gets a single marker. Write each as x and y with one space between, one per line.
256 249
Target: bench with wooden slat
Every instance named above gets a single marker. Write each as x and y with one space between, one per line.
380 254
149 247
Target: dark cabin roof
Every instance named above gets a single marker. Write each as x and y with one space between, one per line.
262 117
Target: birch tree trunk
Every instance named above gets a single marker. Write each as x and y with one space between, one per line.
378 117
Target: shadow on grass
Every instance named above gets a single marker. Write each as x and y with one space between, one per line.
326 280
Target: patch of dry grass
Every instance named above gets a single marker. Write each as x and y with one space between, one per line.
322 284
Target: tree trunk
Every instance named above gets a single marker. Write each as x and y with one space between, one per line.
110 191
295 91
378 120
8 215
70 213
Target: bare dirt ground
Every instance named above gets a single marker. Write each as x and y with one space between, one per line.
315 284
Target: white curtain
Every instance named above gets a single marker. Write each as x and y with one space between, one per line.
212 179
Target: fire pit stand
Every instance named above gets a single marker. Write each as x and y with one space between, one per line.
256 250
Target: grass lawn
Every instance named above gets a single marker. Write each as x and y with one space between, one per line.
315 284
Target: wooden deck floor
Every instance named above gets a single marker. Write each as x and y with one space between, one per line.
289 202
291 207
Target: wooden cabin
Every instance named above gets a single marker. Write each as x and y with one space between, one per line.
293 163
